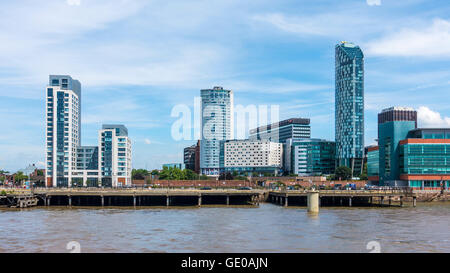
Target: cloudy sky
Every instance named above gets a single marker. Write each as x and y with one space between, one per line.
137 59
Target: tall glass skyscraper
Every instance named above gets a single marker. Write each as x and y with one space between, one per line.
349 99
217 126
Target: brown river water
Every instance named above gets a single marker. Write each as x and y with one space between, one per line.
267 228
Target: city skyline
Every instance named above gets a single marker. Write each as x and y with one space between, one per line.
288 60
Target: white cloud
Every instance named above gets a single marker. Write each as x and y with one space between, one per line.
428 118
373 2
430 41
147 141
74 2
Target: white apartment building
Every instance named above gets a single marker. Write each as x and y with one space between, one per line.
63 132
68 164
216 126
114 156
252 156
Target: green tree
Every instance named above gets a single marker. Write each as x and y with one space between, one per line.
190 174
154 172
139 174
40 172
2 180
343 173
20 177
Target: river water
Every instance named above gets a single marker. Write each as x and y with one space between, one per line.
268 228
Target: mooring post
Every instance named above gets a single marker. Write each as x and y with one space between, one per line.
228 200
103 200
401 201
313 202
414 201
350 201
168 201
70 200
390 200
286 201
381 200
200 200
134 200
48 201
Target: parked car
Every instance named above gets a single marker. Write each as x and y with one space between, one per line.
205 188
245 188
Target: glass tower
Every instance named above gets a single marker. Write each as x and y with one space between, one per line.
217 126
349 109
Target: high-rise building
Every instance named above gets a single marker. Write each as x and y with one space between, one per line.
349 111
247 156
216 127
68 164
63 130
279 132
310 157
394 125
114 156
189 157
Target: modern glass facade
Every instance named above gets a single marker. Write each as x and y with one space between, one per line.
425 163
394 125
373 164
296 128
310 157
426 158
179 166
189 157
349 110
217 126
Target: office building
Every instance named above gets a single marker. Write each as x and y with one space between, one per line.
63 129
189 157
424 159
246 156
281 131
373 164
394 125
310 157
349 109
216 126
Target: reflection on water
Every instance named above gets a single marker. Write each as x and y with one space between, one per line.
268 228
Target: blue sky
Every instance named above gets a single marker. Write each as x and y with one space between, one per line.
137 59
